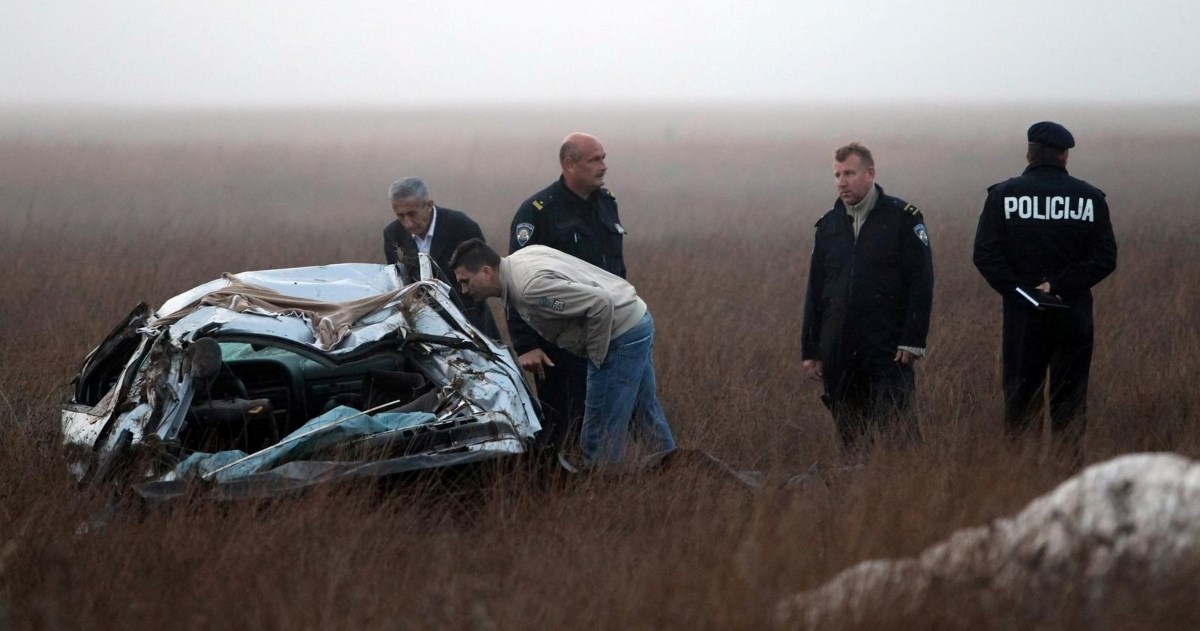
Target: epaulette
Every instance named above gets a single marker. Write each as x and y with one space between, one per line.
608 192
537 204
903 205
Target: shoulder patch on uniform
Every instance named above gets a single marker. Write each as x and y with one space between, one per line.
553 305
523 232
922 233
537 204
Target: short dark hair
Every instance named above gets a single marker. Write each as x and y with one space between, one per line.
855 149
473 254
1045 154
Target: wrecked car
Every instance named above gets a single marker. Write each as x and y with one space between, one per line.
266 382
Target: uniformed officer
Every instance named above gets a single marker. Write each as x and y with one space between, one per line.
576 215
1046 232
866 313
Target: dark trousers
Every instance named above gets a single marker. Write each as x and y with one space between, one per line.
871 396
1035 342
562 394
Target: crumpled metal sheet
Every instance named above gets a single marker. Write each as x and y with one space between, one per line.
153 394
342 282
333 284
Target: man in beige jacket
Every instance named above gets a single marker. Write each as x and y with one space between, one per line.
593 314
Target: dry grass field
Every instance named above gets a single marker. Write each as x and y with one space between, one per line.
102 209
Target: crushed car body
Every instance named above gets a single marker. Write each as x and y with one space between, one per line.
261 383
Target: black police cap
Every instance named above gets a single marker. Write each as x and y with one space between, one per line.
1051 135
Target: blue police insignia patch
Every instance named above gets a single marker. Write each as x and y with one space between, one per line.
921 233
556 305
524 232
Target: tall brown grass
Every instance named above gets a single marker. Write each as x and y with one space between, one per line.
101 210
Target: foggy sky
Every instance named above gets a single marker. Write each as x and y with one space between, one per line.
363 52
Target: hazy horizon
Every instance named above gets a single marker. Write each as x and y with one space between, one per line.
664 122
374 53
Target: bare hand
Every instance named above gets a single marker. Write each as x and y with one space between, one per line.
535 361
1044 287
814 369
903 357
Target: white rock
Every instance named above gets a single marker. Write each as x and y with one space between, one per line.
1133 516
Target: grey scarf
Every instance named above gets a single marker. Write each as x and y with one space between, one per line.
858 212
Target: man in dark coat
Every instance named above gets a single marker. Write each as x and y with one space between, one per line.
1045 237
577 215
422 226
866 314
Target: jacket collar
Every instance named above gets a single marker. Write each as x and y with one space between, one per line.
839 205
570 194
1044 166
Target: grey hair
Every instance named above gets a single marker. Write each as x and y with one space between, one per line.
410 186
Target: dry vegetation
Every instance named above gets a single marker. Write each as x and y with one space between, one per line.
99 210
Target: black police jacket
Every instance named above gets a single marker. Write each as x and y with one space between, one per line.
588 229
872 294
1045 226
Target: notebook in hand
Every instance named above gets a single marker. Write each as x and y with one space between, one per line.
1040 299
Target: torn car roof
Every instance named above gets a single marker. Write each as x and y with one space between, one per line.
333 302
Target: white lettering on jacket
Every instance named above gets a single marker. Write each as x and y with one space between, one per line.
1049 208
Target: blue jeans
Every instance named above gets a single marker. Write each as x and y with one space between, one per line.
620 392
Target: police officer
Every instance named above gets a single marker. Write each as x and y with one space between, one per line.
1046 233
576 215
866 313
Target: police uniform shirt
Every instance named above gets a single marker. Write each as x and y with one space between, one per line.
588 229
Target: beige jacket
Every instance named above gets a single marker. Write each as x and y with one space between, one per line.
574 304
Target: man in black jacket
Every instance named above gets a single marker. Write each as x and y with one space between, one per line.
866 314
421 226
1046 233
576 215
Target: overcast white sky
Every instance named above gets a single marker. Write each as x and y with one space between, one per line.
364 52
